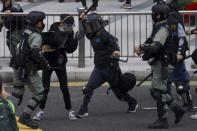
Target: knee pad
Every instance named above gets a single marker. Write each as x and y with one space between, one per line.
19 98
166 98
18 93
157 95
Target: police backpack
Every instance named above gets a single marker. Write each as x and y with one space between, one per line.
7 116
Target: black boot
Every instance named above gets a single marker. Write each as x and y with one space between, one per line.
161 123
25 119
179 112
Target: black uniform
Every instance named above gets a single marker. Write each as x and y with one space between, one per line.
106 69
58 58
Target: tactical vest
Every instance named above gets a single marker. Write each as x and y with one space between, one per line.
172 43
7 116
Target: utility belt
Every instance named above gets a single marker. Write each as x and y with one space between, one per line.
165 60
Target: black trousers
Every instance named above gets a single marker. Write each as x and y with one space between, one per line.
62 77
100 76
85 4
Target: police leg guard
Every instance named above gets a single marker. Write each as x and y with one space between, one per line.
183 91
177 109
157 96
33 103
17 94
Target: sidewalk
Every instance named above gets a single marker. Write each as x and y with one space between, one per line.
135 65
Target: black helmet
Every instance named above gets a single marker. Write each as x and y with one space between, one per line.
67 19
34 17
160 12
127 81
93 23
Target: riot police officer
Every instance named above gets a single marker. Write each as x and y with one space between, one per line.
28 60
179 73
106 68
159 53
56 56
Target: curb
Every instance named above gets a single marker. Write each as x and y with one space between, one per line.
83 74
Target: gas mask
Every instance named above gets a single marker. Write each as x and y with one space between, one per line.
66 27
155 17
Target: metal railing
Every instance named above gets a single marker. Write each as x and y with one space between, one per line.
130 28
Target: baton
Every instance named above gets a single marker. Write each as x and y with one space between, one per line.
121 59
93 5
144 79
54 68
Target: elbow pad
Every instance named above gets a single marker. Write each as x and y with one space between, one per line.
154 48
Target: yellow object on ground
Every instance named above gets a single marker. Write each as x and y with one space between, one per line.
25 128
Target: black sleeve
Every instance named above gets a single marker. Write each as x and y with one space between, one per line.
54 27
111 41
71 44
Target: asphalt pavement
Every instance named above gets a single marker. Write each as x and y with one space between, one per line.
106 113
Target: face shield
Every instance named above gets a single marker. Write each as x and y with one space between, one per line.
92 27
67 24
155 17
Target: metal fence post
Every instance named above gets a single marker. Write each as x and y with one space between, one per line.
81 60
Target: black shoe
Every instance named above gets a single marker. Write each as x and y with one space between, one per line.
25 119
188 107
83 112
179 112
161 123
132 108
61 0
